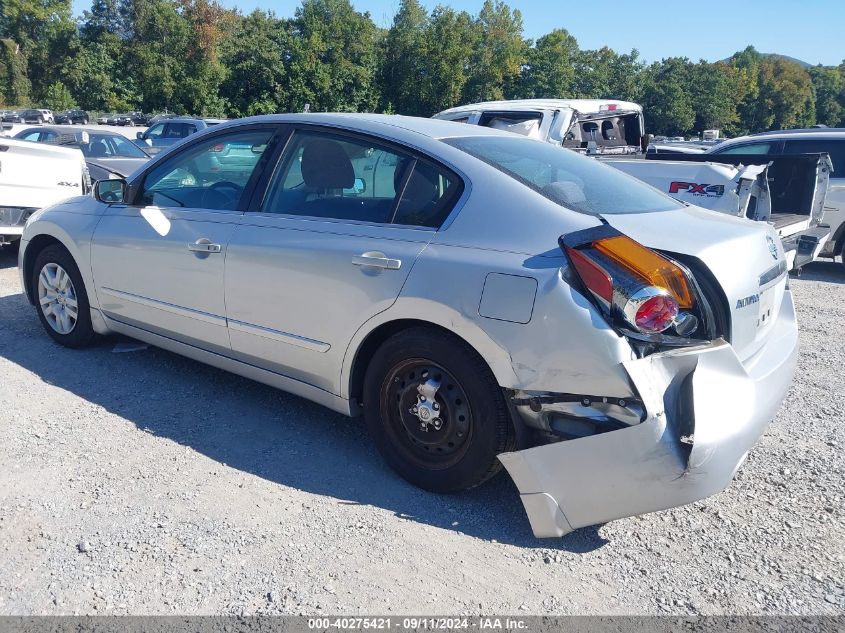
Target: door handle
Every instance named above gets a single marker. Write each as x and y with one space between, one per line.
204 245
376 259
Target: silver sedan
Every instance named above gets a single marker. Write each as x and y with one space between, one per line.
482 299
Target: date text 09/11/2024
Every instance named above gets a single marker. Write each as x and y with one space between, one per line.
417 623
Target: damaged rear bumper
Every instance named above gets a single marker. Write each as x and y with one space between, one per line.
704 410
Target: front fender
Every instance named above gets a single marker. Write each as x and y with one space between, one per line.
72 230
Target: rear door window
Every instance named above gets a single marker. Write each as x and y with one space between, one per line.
324 175
835 148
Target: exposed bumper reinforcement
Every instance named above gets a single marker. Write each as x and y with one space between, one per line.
657 464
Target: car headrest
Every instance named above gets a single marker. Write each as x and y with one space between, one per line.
325 165
98 149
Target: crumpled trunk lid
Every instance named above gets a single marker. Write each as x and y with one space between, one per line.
745 257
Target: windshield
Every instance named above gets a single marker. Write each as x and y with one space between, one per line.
565 177
107 146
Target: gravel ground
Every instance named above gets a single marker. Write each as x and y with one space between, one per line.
145 483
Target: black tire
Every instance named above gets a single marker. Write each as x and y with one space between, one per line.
40 120
82 331
475 425
842 253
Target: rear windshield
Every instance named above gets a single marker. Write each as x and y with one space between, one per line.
565 177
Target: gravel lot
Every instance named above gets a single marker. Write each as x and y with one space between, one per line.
145 483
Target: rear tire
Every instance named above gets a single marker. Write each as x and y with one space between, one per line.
469 407
60 297
842 253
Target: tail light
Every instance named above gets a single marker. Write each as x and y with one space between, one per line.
635 286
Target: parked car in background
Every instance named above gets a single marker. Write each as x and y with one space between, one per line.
37 116
35 176
13 116
167 132
592 126
164 115
802 141
71 117
107 154
133 119
499 301
103 119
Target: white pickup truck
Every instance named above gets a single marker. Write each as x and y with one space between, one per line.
590 126
788 191
33 176
785 190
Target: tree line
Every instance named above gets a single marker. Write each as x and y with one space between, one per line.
196 56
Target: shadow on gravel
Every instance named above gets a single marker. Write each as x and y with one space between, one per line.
826 270
262 431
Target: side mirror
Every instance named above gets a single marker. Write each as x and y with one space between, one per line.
357 188
140 136
110 191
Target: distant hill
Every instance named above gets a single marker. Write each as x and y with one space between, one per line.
800 62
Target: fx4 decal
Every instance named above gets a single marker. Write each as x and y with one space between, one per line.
711 191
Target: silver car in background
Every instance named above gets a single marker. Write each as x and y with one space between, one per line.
481 298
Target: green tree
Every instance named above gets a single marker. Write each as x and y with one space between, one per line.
604 74
714 88
255 58
58 97
333 58
403 63
550 71
786 95
44 31
498 55
14 84
450 37
667 102
157 45
829 88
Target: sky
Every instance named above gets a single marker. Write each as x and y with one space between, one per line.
810 30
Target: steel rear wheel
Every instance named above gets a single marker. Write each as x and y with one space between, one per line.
435 411
430 412
60 297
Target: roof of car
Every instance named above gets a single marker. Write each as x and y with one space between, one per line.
809 133
70 129
432 128
582 105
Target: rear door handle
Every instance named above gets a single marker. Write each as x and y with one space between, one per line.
204 245
376 259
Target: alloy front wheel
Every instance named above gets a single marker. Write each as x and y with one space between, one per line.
57 298
60 297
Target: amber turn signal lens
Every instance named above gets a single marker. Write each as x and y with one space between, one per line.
645 263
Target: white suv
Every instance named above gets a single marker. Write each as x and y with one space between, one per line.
829 140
